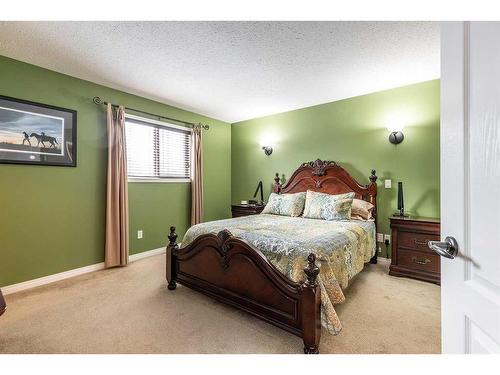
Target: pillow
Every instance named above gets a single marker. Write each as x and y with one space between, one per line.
285 204
328 206
361 210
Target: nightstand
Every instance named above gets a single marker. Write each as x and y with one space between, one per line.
238 210
3 305
411 257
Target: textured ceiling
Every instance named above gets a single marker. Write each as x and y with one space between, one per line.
233 71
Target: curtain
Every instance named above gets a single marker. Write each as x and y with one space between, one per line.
197 178
116 251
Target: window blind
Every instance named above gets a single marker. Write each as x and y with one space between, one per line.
157 151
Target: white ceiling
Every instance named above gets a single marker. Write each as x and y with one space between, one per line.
233 71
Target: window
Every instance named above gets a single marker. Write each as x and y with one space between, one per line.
157 151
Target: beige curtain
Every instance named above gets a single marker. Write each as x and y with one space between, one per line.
197 180
117 191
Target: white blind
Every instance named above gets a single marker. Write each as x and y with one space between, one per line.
156 151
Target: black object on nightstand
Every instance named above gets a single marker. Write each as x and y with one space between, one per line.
411 257
238 210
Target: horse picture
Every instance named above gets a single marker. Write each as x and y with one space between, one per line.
29 132
36 133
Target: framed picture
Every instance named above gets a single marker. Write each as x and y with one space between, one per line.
34 133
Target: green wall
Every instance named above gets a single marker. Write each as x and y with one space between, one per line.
52 218
352 132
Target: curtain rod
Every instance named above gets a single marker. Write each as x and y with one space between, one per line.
97 100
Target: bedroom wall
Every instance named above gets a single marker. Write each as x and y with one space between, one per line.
352 132
52 218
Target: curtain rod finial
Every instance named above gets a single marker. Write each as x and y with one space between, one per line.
97 100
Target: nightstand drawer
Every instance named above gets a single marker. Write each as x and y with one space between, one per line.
416 241
417 260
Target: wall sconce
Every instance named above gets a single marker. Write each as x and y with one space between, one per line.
268 150
396 135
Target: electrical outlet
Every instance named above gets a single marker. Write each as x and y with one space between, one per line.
380 237
139 234
387 239
388 184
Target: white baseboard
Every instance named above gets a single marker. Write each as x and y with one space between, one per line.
145 254
51 278
14 288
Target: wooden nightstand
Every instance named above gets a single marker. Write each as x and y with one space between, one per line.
3 305
411 257
238 210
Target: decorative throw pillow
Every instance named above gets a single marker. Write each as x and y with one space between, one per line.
328 206
285 204
361 210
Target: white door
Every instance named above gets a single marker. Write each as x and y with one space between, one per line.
470 186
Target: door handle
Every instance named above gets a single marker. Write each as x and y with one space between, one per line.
447 249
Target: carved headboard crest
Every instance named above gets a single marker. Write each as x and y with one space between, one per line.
318 166
328 177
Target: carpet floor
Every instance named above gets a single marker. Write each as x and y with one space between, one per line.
129 310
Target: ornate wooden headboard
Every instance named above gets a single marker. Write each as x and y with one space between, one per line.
328 177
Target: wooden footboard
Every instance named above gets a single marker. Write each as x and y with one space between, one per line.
234 272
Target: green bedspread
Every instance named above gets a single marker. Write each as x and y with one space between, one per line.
341 247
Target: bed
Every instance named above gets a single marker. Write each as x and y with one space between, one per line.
289 271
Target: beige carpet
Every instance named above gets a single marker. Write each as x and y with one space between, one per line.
129 310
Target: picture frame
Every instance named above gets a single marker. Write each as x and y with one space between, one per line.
36 133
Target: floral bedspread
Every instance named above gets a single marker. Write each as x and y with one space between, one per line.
341 248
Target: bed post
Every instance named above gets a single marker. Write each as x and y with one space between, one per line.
171 271
311 308
277 184
373 200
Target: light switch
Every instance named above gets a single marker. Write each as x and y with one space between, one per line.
139 234
380 237
388 184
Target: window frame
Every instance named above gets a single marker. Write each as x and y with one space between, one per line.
165 125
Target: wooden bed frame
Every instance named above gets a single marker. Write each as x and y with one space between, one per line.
234 272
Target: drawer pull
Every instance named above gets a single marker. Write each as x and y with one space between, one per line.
420 261
417 242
